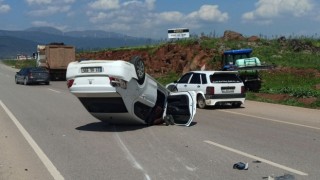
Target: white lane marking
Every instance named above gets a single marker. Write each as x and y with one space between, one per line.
54 90
43 157
257 158
130 157
274 120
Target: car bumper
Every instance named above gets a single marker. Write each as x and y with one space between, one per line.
93 87
35 80
212 100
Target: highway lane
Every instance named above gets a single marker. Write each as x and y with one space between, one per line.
285 139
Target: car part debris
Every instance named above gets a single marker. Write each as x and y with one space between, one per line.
241 166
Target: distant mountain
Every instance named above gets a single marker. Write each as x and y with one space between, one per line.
49 30
95 34
26 41
10 47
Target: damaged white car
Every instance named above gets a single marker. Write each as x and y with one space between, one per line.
120 92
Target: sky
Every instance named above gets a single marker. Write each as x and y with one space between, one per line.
153 18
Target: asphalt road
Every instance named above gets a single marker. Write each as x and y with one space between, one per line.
45 133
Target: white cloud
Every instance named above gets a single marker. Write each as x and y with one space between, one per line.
43 8
134 15
173 16
105 4
268 9
39 1
49 11
4 7
43 2
150 4
209 13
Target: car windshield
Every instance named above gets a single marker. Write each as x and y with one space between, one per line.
224 78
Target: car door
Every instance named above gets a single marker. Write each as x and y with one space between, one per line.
182 84
194 83
181 107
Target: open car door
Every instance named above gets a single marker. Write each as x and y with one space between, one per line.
181 107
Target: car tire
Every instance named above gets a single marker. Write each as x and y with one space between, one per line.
201 102
25 81
47 83
16 80
236 105
139 67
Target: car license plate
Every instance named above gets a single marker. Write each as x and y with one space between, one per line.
227 89
91 69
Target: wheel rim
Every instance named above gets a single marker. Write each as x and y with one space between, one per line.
201 102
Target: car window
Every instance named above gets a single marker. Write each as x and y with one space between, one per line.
38 70
195 79
224 78
203 79
23 71
185 78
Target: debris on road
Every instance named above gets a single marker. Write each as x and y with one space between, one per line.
241 166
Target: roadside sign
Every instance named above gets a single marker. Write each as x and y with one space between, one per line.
178 33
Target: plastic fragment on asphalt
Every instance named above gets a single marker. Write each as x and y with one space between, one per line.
241 166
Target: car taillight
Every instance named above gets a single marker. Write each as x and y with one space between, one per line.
210 91
70 82
243 90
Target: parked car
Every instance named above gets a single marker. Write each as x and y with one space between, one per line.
212 87
120 92
32 75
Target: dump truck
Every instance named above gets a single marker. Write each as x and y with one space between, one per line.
248 67
55 57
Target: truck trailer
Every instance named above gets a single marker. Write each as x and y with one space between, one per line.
55 57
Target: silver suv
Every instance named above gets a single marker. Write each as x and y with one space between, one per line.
212 87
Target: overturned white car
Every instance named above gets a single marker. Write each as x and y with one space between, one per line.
120 92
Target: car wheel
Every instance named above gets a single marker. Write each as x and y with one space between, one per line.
201 102
25 81
16 80
139 67
236 105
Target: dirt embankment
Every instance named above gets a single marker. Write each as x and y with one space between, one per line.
167 58
173 57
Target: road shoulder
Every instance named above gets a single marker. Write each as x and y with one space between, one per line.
17 158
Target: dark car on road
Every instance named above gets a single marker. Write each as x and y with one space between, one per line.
32 75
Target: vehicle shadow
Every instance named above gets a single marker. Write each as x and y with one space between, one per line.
223 107
105 127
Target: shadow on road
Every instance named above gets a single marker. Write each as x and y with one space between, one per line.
104 127
222 107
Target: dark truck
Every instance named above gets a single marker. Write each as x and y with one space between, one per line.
55 57
248 67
